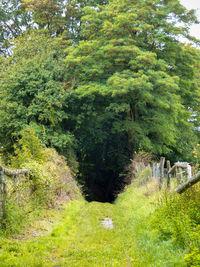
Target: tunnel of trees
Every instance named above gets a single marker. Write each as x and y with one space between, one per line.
102 168
99 81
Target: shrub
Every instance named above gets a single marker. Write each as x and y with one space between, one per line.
196 154
49 180
140 161
28 148
177 217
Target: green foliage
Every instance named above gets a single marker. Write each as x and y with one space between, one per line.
47 14
192 258
196 155
49 181
133 84
116 81
177 217
28 149
55 16
121 83
14 20
125 65
33 94
59 16
144 176
79 239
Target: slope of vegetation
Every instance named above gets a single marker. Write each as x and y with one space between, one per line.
178 219
48 185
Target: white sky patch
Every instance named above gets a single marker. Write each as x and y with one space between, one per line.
193 4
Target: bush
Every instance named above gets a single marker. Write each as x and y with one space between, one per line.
196 154
49 181
177 217
140 161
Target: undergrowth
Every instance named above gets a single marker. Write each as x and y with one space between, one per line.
49 182
151 228
79 239
177 218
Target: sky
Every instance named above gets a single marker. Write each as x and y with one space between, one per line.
193 4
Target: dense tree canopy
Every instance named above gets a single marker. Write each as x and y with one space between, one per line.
13 21
32 91
150 89
55 16
103 79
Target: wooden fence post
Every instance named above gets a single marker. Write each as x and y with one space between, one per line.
157 171
179 175
189 172
2 194
168 174
153 171
162 163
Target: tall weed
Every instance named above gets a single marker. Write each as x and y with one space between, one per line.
49 180
177 217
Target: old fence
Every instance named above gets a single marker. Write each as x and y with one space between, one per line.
4 172
182 171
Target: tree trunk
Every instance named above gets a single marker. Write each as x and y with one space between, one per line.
179 175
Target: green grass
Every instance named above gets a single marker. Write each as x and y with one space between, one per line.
79 239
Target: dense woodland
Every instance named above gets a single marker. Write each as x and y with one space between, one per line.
94 91
100 81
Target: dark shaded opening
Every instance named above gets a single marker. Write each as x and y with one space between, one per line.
102 179
102 190
102 143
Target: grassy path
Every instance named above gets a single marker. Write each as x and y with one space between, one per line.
80 240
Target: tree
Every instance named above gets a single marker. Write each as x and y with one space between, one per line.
60 16
135 76
14 20
127 84
56 16
32 92
125 57
46 13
